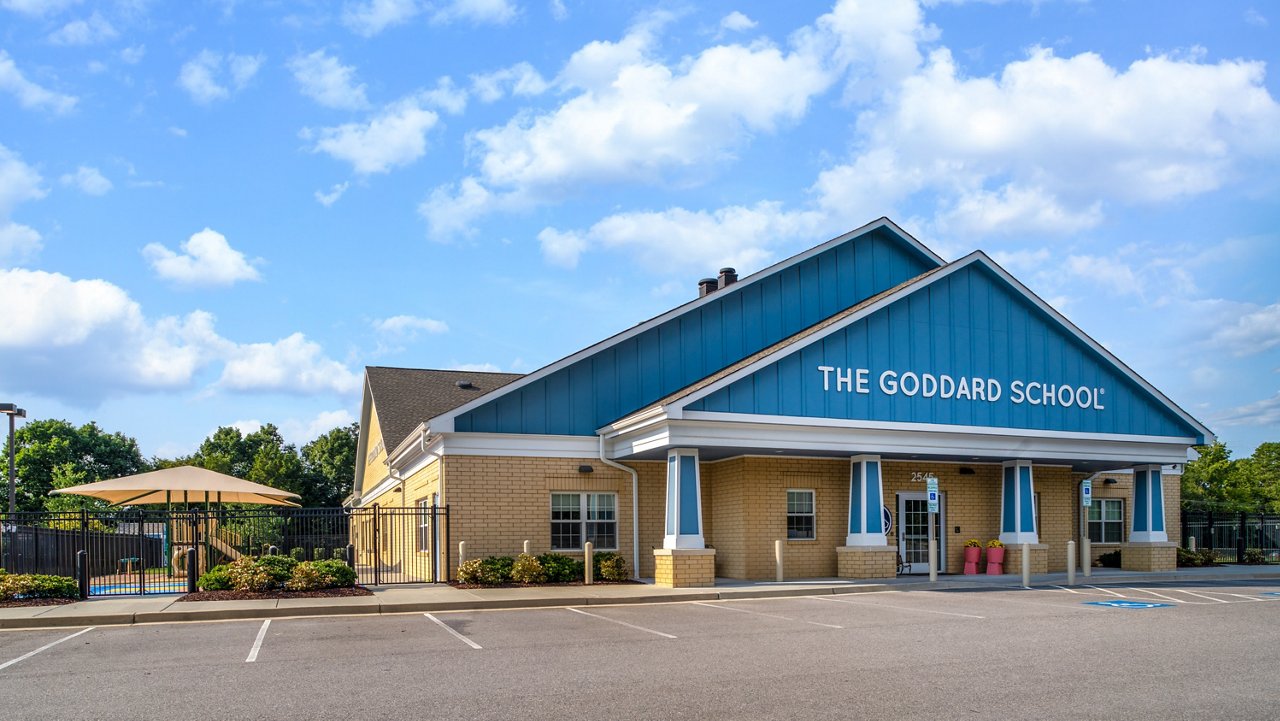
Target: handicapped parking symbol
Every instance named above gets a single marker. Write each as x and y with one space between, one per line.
1129 604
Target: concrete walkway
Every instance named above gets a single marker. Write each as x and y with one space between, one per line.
421 598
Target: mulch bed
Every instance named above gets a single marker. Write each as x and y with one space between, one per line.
259 595
459 584
17 602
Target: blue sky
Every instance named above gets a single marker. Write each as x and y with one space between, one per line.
217 213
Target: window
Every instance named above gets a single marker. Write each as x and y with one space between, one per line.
580 517
424 524
1106 520
800 519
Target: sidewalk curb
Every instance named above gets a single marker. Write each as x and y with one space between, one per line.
344 607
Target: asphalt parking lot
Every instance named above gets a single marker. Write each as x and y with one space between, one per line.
1184 650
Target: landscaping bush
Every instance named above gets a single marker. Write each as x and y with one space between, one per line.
499 568
1109 560
1254 557
336 573
217 578
561 568
248 575
36 585
306 577
472 572
298 553
1188 559
610 566
339 554
1208 557
319 553
279 568
528 569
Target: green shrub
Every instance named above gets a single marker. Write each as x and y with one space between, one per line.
306 577
1254 557
248 575
36 585
319 553
1109 560
1188 559
336 573
298 553
339 554
217 578
610 566
528 569
561 568
499 568
279 568
1208 557
472 572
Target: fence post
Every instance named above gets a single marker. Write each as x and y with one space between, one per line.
82 572
1210 540
1071 563
377 550
1241 536
192 563
351 555
142 554
588 567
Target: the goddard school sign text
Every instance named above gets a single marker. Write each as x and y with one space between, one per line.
929 385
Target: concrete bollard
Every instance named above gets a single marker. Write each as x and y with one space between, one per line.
526 548
777 558
1026 565
1086 556
588 561
933 559
1071 563
462 552
1191 544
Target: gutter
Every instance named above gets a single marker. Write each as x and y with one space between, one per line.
635 507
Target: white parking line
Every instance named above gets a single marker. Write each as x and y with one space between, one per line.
257 642
1104 590
1159 595
622 623
1198 595
900 608
1064 588
457 635
1241 595
761 613
45 647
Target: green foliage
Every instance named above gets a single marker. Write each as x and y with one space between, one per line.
336 573
610 566
527 569
1254 557
35 585
329 463
340 554
217 578
306 577
1215 482
1202 557
489 571
50 449
248 575
473 572
1109 560
298 553
499 567
561 568
279 568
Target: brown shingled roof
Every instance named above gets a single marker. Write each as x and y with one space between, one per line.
406 397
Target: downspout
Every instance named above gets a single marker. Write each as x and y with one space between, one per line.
635 508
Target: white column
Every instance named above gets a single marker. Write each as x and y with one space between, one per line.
1148 507
866 522
684 500
1017 505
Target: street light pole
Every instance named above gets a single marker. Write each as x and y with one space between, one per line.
14 413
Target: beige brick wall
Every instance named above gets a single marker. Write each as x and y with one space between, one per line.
684 570
1171 484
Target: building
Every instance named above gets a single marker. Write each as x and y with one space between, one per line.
810 403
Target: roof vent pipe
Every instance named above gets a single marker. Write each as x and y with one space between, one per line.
728 276
706 286
464 384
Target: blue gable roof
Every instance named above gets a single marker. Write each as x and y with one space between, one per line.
915 360
580 394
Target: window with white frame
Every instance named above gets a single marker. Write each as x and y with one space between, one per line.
1106 520
424 524
801 525
577 518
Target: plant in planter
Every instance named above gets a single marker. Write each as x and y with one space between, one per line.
995 557
972 550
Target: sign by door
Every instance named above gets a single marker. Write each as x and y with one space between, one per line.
932 493
888 519
1086 492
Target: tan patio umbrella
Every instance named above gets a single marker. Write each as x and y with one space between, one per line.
182 484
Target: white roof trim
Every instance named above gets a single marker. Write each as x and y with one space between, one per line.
443 423
676 409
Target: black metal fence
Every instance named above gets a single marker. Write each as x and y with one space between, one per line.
138 551
1231 533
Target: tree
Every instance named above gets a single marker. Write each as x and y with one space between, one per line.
1260 473
330 464
48 449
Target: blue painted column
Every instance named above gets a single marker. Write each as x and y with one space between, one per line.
866 496
1017 505
684 500
1148 506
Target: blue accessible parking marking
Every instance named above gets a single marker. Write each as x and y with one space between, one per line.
1129 604
1271 593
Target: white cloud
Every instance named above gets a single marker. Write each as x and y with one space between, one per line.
94 29
736 22
28 94
177 132
207 260
301 432
475 367
324 79
88 179
396 136
1260 414
558 11
292 364
37 8
1255 18
205 77
331 197
446 96
408 325
372 17
477 12
133 55
1252 332
519 79
19 183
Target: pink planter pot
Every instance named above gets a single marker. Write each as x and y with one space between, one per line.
971 560
995 561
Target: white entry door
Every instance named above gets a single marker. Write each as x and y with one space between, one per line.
913 531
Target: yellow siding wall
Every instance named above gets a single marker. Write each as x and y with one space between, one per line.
375 464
